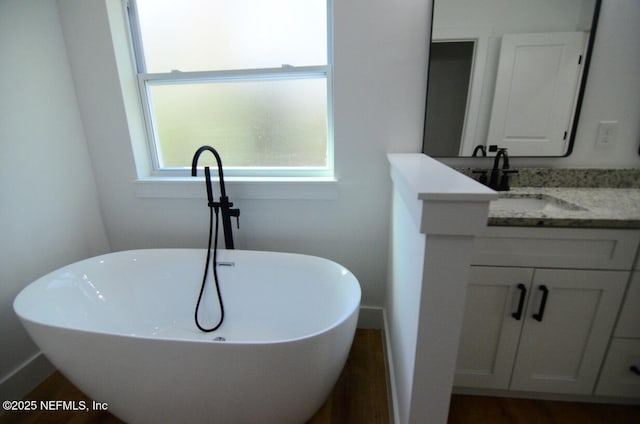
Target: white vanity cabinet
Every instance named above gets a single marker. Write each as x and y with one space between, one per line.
510 340
620 375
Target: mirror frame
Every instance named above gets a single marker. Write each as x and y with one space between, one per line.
583 84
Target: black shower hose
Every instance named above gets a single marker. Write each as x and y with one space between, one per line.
215 272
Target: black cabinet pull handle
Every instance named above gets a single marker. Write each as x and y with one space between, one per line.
634 369
523 294
543 303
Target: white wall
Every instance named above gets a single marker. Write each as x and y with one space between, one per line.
507 16
49 212
613 91
380 59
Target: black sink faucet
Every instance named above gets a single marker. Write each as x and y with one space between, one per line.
500 177
479 149
224 205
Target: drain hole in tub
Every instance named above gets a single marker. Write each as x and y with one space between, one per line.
219 339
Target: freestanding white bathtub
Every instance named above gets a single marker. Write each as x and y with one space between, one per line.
120 326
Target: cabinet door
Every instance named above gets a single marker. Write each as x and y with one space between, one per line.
490 333
629 321
621 371
562 352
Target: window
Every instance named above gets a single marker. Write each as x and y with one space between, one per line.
252 78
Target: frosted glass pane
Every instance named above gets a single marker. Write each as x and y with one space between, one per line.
252 124
198 35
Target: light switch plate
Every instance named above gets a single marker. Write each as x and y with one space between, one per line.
607 131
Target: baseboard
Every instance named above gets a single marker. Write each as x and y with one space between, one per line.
391 378
371 317
25 378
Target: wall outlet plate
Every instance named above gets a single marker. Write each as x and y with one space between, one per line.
607 131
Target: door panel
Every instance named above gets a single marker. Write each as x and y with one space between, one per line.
490 334
536 87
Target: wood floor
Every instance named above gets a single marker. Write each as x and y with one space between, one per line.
360 397
494 410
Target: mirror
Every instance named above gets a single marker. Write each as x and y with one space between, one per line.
507 73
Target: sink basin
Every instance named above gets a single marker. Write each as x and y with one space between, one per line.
532 203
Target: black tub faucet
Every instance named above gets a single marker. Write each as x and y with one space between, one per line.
224 205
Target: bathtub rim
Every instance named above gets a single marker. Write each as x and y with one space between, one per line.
337 322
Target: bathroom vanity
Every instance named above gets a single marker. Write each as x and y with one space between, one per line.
539 303
551 306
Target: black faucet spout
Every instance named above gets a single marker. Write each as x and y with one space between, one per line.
224 205
194 166
499 179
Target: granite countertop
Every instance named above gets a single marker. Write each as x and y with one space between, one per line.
594 198
587 208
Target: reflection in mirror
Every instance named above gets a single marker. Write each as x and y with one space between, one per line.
507 74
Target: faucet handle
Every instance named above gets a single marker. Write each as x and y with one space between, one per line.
482 179
235 213
504 179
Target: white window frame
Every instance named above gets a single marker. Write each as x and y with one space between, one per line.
285 72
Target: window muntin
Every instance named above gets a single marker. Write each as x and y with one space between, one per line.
251 78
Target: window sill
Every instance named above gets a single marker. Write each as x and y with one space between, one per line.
321 188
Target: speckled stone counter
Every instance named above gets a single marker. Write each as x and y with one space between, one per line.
599 208
577 178
604 198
